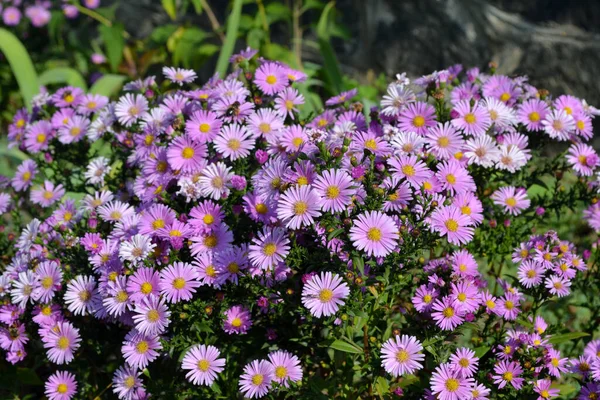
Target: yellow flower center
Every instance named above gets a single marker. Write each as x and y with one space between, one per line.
62 388
161 166
427 298
531 273
261 208
507 376
210 271
75 131
325 295
452 385
534 116
210 241
175 233
443 142
300 207
142 347
20 123
451 225
121 296
568 110
129 382
466 210
40 138
158 224
258 378
461 297
67 216
26 175
47 311
85 295
302 180
297 141
371 144
187 153
281 372
153 315
470 118
545 394
112 276
509 305
408 170
402 356
233 268
234 144
63 343
146 288
448 312
236 322
271 79
374 234
204 127
264 127
269 249
490 304
289 105
332 192
463 362
69 98
203 365
505 97
48 195
580 125
47 282
418 121
547 257
178 283
451 179
511 202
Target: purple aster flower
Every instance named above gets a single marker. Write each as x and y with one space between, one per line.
265 122
417 117
410 168
530 273
82 295
187 155
449 221
472 120
447 384
286 367
559 125
178 282
558 286
424 298
61 342
342 97
139 350
61 386
583 158
50 277
237 320
203 126
444 141
130 108
271 78
47 194
531 114
465 362
126 382
583 125
206 216
402 355
269 248
375 233
513 200
151 315
543 389
24 176
335 187
508 306
143 283
203 364
234 141
256 380
11 16
38 135
446 315
216 180
508 373
465 296
323 294
287 101
454 178
179 75
136 249
298 207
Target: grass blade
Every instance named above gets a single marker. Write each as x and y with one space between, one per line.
233 24
108 85
21 65
62 75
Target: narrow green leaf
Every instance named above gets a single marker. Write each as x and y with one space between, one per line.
346 347
233 23
331 66
335 233
170 8
21 65
114 43
108 85
565 337
62 75
323 24
481 351
197 6
359 264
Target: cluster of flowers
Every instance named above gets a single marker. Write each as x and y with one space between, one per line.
588 367
159 221
38 11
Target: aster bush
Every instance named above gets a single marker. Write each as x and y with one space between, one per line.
206 241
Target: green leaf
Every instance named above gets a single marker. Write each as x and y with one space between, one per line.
114 43
323 24
108 85
62 75
481 351
277 12
170 8
233 23
197 6
21 65
565 337
346 347
359 264
335 233
382 386
331 66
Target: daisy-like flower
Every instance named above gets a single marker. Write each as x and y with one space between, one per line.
530 273
583 158
501 115
97 171
271 78
508 373
465 296
265 122
472 120
74 130
531 114
417 117
374 233
256 380
511 158
203 126
559 125
234 142
482 150
324 294
402 355
24 176
61 343
269 248
207 272
137 249
583 125
447 384
508 306
139 350
115 211
126 382
335 189
38 136
543 389
298 207
396 98
410 168
513 200
444 141
143 283
155 218
446 315
47 194
186 155
407 143
82 295
555 364
203 364
179 75
470 206
451 222
116 300
237 320
61 386
341 98
151 316
49 276
465 362
294 139
454 177
215 181
91 103
179 282
287 101
424 298
479 392
130 108
286 367
558 286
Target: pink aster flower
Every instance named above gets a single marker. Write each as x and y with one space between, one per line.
530 273
186 155
24 176
61 342
61 386
203 126
402 355
447 384
90 103
179 75
47 194
74 130
206 216
479 392
216 181
558 286
287 101
269 248
130 108
298 207
265 122
324 294
531 114
82 295
207 272
136 249
203 364
49 275
555 364
513 200
543 389
411 168
178 282
559 125
38 136
335 189
237 320
583 125
508 306
155 218
286 367
424 297
449 221
271 78
374 233
465 296
446 315
454 177
508 373
143 283
151 316
444 141
472 120
126 382
257 379
417 117
465 362
139 350
234 141
583 158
